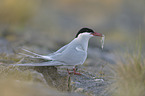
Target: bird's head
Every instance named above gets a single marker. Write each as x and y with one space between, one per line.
87 32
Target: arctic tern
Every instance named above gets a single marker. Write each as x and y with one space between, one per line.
72 54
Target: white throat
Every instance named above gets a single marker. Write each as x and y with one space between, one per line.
83 39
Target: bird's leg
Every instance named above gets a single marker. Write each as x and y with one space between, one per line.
74 71
69 72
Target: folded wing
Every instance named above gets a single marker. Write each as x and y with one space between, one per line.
50 63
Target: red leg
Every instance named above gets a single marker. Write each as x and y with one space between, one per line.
74 72
69 72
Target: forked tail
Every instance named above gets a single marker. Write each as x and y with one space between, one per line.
34 55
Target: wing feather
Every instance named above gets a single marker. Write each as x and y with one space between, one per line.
50 63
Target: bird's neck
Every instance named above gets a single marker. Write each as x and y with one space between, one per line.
83 40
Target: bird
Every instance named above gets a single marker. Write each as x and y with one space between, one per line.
72 54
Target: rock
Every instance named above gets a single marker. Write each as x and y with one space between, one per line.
53 78
79 90
87 84
38 77
5 46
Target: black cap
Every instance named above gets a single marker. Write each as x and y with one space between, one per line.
83 30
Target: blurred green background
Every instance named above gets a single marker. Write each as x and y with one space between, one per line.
50 24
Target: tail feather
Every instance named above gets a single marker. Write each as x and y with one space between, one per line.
31 52
35 55
29 55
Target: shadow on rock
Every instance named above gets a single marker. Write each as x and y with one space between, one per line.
53 78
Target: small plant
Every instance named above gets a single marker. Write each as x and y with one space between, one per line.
130 75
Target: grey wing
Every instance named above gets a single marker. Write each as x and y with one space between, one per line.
50 63
72 55
60 50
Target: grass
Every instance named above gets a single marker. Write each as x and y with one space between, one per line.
15 81
15 73
130 75
130 79
11 87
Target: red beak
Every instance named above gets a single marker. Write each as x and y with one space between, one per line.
97 34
